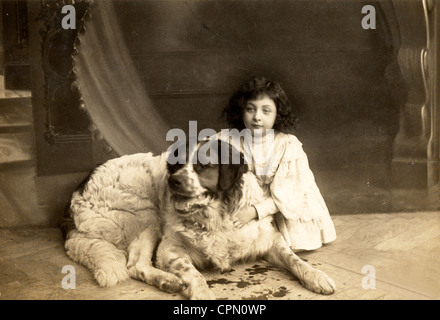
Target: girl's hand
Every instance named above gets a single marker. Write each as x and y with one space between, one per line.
244 216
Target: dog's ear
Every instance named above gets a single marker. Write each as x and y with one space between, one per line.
230 174
229 170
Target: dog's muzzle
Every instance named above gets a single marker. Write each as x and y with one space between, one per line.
186 205
186 199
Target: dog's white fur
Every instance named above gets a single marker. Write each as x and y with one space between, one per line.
119 203
126 208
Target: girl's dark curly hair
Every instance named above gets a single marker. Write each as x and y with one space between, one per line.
252 89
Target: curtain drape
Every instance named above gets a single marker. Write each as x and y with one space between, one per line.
111 89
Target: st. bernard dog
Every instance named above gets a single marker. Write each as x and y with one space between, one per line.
139 216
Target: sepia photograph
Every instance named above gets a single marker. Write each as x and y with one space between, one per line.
228 150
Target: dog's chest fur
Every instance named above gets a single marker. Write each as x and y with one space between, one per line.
210 234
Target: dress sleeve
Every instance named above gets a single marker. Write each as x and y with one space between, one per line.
292 183
266 207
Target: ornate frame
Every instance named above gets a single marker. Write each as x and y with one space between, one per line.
59 78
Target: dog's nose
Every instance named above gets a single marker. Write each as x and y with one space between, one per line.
174 182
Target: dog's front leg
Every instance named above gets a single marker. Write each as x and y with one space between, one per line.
313 279
140 263
174 259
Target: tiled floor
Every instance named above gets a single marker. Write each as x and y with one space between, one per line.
376 256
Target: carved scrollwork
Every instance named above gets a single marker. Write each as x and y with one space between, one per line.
58 47
426 125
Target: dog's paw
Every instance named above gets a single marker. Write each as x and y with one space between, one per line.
163 280
171 283
109 277
317 281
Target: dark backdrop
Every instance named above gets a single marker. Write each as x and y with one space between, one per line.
343 80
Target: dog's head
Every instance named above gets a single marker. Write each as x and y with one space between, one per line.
212 168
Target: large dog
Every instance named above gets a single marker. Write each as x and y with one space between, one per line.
182 215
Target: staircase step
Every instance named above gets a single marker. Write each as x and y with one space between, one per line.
16 150
6 93
15 115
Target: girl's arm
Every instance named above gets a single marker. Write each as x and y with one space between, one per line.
258 211
265 208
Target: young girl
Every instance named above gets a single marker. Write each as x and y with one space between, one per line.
291 192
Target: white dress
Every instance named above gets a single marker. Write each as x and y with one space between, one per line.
283 171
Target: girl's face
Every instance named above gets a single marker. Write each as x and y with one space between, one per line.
260 114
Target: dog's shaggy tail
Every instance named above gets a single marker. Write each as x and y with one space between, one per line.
108 263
